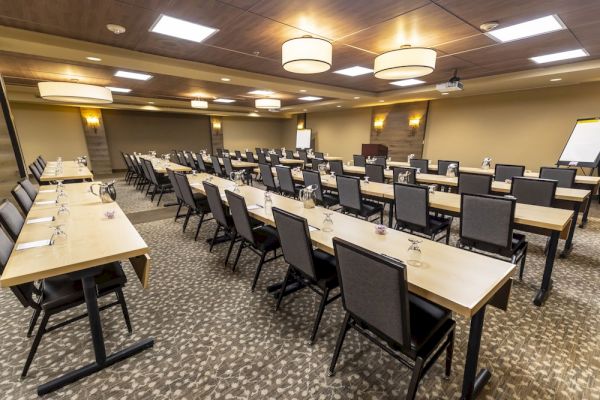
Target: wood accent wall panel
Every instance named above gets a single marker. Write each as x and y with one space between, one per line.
95 138
396 134
216 133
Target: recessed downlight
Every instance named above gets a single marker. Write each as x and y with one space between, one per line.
555 79
222 100
225 79
310 98
93 58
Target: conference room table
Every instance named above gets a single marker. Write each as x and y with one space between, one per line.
236 164
462 281
161 165
71 170
92 240
282 160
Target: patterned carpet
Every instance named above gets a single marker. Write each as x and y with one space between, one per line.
217 340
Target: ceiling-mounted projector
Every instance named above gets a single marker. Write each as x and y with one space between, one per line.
453 85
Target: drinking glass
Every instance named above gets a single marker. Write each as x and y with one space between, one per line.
62 213
268 203
59 234
327 221
432 189
414 253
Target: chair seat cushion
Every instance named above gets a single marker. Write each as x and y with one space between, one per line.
428 323
437 224
111 277
370 208
330 199
266 238
325 269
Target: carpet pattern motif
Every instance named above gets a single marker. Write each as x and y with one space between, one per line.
217 340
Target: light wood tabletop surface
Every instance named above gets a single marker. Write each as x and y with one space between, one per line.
237 164
70 170
161 165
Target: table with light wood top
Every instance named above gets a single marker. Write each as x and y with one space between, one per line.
459 280
161 165
236 164
92 240
71 170
282 160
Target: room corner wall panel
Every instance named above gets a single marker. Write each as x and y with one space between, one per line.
95 138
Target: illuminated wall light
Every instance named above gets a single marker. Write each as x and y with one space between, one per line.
378 124
414 122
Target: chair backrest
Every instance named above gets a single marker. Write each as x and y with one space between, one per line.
22 198
444 164
226 153
313 178
503 172
286 181
267 176
239 213
359 160
217 165
220 153
262 158
486 220
420 163
215 203
238 155
187 196
316 162
250 156
349 192
294 237
374 290
275 160
190 160
42 161
6 247
200 163
375 173
180 158
336 166
35 172
29 188
23 292
127 161
412 174
258 150
11 219
539 192
38 164
173 180
380 160
304 157
564 176
319 154
278 152
151 171
474 183
145 171
412 205
265 150
228 166
289 154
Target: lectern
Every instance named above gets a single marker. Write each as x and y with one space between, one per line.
374 150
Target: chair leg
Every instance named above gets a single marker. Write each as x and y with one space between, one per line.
449 352
448 234
282 290
121 299
232 238
35 344
319 315
212 242
187 218
33 321
522 269
237 257
338 344
414 381
162 191
178 209
258 269
153 193
199 226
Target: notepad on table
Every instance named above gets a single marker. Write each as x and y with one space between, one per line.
31 245
313 228
45 202
254 206
39 220
48 191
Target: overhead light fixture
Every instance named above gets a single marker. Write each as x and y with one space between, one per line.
253 114
93 58
133 75
118 89
267 103
354 71
445 94
74 93
182 29
407 82
555 79
356 97
221 100
150 102
302 90
405 63
306 55
261 92
339 106
310 98
563 55
197 103
225 79
116 29
534 27
381 101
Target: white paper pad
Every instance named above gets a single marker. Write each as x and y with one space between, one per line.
48 191
31 245
254 207
46 202
38 220
312 228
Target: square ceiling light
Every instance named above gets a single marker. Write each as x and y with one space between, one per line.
407 82
118 89
354 71
310 98
221 100
133 75
534 27
182 29
563 55
259 92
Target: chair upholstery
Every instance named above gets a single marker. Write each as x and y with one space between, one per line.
444 164
412 174
238 155
31 190
359 160
22 198
320 155
380 160
350 198
375 173
220 153
538 192
201 164
262 158
474 183
502 172
564 176
314 178
267 177
250 157
217 166
196 204
286 181
421 164
278 152
11 219
228 167
336 166
37 174
275 159
289 154
316 162
304 157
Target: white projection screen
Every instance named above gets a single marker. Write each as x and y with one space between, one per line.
583 147
303 138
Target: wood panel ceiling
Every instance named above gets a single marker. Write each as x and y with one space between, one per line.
251 32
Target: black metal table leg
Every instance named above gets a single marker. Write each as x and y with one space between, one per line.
102 361
390 223
569 242
473 382
542 294
586 211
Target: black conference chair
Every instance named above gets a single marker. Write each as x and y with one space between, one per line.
22 199
337 167
304 157
474 183
278 152
411 177
316 162
42 161
267 177
158 182
258 150
216 164
223 219
564 176
147 180
262 158
250 157
275 159
196 205
289 154
261 240
324 198
314 268
388 315
201 165
180 158
228 167
320 155
444 164
31 190
140 181
238 155
380 160
359 160
220 153
189 158
413 213
286 181
39 164
352 201
11 219
503 172
36 173
130 170
178 195
375 173
538 192
487 224
265 150
421 164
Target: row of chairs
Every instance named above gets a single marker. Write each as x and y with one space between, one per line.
37 168
56 295
143 175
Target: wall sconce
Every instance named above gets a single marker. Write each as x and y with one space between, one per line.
300 125
216 125
414 123
378 125
93 121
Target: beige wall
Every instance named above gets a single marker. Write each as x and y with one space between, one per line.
247 133
528 127
52 131
143 131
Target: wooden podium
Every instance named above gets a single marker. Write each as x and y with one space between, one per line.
374 150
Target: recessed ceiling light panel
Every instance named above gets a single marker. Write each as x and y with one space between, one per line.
118 89
221 100
563 55
354 71
261 92
182 29
534 27
133 75
407 82
93 58
310 98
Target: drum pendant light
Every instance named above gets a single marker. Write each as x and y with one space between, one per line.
306 55
69 92
267 103
405 63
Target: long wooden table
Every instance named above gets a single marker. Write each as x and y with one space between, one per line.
461 281
161 165
92 240
70 171
236 164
